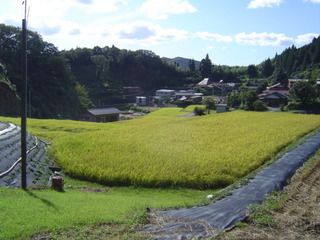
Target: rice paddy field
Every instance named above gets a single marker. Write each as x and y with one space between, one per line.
161 150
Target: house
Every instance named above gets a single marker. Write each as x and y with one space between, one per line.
184 93
274 99
206 82
141 101
275 95
101 115
197 98
165 93
188 94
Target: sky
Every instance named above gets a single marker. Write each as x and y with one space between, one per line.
232 32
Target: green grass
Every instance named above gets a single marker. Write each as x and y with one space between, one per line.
24 213
167 112
190 108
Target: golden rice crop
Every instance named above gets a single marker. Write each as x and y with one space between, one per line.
199 152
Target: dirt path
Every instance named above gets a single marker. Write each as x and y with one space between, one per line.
297 215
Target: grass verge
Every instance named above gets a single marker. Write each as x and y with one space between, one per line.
84 206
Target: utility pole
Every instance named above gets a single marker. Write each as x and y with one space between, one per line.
24 101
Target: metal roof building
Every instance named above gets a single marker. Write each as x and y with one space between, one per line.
101 115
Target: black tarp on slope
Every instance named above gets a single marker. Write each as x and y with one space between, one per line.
226 212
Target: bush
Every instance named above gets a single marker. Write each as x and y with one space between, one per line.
138 109
198 111
259 106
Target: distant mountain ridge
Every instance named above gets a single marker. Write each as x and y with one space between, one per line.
182 62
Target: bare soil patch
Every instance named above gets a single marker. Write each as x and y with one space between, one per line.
295 213
94 190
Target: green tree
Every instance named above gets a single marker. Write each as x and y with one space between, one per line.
252 71
267 68
259 106
209 103
83 96
233 100
280 76
303 93
205 67
192 66
50 83
248 97
262 85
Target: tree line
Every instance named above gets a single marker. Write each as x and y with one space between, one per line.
63 83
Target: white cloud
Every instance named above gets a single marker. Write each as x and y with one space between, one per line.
143 33
214 37
161 9
306 38
314 1
10 19
41 10
264 39
264 3
273 39
49 29
103 6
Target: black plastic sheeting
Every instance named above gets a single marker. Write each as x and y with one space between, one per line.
10 152
196 222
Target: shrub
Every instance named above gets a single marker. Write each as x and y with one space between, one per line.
259 106
198 111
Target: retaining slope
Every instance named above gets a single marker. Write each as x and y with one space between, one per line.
10 152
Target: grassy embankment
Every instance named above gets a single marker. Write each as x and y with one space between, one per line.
23 213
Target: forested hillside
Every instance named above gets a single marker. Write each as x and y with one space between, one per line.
51 88
63 83
104 71
301 62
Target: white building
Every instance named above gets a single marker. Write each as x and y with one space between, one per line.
141 101
165 93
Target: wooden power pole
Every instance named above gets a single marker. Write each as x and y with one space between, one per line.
24 101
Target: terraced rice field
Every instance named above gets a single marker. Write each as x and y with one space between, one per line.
157 151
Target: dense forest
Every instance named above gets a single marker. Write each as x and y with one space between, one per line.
63 83
104 71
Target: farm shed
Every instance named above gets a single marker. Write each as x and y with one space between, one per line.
101 115
141 101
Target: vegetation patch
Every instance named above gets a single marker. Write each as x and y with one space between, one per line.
168 112
156 151
291 214
108 214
